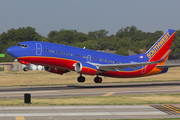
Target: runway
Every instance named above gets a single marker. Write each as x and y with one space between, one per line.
83 112
89 112
89 90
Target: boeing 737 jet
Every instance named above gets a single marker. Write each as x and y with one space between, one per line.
61 59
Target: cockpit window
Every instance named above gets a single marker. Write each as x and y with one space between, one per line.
22 45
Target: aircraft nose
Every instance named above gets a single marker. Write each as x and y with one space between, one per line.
9 50
12 51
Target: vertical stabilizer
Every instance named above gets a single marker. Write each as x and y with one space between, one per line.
161 47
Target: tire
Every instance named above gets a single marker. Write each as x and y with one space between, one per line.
81 79
25 69
97 79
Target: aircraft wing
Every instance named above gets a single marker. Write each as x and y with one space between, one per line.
167 66
120 67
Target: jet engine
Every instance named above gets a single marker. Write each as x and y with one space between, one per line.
85 68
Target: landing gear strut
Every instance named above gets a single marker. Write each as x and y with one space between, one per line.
97 79
81 78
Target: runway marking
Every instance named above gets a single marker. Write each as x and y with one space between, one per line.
169 109
20 118
108 94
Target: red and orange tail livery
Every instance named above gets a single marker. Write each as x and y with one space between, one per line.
161 47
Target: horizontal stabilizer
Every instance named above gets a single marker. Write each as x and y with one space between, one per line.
168 66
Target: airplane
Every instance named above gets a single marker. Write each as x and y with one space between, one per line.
61 59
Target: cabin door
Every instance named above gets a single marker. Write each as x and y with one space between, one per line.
38 49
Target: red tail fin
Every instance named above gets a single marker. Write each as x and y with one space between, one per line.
161 47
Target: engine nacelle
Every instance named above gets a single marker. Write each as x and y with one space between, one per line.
85 68
55 70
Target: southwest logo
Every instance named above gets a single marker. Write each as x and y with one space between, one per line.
158 45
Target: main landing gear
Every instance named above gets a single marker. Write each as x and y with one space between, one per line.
97 79
82 79
25 69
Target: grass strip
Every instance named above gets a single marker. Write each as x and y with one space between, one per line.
145 119
43 78
99 100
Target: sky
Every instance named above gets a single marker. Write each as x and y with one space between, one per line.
89 15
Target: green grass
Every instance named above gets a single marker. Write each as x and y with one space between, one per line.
42 78
145 119
99 100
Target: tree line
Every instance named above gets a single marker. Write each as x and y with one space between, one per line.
128 38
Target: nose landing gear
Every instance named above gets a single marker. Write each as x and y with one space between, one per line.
25 69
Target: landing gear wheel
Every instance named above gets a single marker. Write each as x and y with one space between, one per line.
25 69
97 79
81 79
